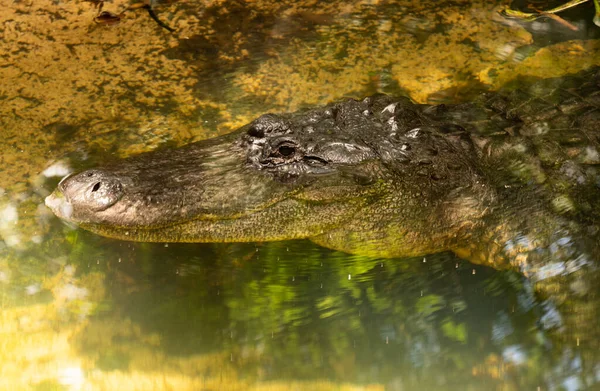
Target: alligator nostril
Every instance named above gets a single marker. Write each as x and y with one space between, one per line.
92 190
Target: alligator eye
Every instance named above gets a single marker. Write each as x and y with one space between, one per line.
286 150
282 152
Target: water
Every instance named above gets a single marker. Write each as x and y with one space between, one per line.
82 312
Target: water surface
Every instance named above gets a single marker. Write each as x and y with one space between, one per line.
81 312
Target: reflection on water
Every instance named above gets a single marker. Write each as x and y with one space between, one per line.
279 315
80 312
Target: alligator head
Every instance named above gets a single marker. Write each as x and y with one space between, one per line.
381 177
374 169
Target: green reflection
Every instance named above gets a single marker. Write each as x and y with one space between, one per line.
246 316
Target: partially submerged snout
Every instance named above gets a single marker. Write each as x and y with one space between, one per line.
92 190
379 164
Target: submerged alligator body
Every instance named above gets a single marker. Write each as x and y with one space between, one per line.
511 179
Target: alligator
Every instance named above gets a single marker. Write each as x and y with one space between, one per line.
510 180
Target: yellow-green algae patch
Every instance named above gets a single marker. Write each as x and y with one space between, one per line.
58 67
59 70
348 56
353 57
551 61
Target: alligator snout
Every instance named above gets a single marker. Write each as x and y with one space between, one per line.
93 190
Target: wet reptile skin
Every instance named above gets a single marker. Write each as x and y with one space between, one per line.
511 179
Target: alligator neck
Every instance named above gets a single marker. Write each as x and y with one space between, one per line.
530 240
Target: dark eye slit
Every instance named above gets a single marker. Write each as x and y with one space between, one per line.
286 150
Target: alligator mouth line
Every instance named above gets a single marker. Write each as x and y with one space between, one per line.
153 233
60 204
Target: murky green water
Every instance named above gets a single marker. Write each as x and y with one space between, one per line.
82 312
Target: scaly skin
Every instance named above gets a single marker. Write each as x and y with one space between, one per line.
510 180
